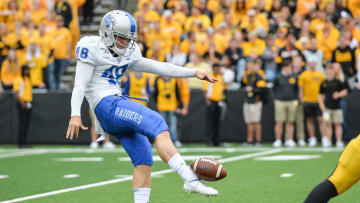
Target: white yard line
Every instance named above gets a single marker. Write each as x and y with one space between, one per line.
20 153
161 172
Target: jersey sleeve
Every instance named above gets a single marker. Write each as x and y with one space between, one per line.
301 80
86 51
137 53
16 85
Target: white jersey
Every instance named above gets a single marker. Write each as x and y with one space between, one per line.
109 70
99 73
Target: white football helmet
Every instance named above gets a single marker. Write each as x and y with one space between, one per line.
118 23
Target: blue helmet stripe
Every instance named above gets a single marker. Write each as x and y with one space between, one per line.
132 22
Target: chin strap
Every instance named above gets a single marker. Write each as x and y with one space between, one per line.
113 53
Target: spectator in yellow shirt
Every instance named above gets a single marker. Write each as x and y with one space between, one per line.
254 47
23 95
222 38
37 13
327 39
10 69
36 62
137 85
157 34
171 27
196 15
12 14
150 15
45 42
354 6
197 63
281 41
167 98
190 44
319 22
155 52
27 5
305 6
214 96
180 11
62 52
309 89
254 21
220 17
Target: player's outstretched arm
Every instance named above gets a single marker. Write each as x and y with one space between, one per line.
170 70
83 75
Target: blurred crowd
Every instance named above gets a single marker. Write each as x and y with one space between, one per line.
306 51
40 34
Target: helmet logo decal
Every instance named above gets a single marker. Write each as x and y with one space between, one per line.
109 23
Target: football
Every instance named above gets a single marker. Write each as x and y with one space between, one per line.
208 169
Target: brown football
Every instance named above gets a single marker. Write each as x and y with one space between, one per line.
208 169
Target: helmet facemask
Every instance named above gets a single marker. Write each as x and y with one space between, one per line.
125 50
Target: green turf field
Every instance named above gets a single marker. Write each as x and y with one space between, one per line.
37 175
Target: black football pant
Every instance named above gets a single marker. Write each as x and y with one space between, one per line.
213 115
24 123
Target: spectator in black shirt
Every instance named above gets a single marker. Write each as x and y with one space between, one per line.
253 82
289 51
285 89
63 9
331 92
345 56
234 52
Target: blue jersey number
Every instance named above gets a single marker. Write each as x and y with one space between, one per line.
83 53
114 73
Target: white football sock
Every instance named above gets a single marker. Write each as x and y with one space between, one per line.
178 165
142 195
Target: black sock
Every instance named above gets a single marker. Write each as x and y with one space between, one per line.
322 193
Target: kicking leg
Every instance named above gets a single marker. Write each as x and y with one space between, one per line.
171 156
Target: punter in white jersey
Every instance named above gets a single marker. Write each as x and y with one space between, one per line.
101 63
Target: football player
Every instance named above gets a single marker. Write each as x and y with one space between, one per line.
101 63
346 174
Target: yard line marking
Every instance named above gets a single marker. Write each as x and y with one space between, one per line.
121 176
71 176
252 155
286 175
3 176
80 159
288 157
185 157
21 152
161 172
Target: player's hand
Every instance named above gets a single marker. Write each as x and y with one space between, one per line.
74 124
205 76
335 95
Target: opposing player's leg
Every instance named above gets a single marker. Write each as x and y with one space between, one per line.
346 174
